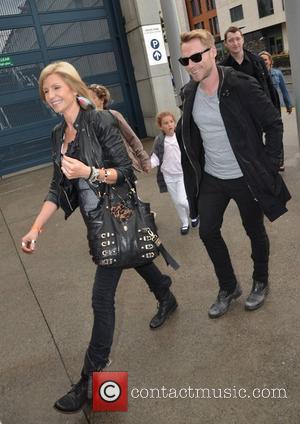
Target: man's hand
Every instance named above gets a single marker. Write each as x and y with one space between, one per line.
289 109
73 168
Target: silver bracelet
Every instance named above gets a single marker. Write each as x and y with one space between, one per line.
95 173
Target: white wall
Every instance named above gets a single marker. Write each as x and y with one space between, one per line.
252 21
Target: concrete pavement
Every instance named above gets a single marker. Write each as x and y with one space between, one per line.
46 318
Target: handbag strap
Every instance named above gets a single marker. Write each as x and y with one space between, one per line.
165 254
168 257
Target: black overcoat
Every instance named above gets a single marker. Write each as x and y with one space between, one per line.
254 129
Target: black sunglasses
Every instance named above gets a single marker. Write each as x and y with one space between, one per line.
196 57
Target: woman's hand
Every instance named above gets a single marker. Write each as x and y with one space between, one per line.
29 241
73 168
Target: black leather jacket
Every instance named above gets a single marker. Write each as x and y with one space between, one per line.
100 144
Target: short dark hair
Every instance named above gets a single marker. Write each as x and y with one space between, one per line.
233 29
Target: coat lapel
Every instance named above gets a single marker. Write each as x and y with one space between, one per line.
188 103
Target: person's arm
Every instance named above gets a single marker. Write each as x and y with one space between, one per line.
74 168
30 239
154 161
114 151
133 141
285 94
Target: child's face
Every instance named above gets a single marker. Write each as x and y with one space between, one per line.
168 125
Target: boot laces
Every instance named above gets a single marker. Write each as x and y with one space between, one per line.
258 286
77 387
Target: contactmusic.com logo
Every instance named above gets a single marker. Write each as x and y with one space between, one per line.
110 391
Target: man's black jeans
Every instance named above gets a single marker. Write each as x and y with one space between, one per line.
103 302
215 195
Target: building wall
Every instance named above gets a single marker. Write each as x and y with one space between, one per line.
182 15
202 20
154 83
88 34
251 21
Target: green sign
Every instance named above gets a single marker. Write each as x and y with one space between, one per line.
5 61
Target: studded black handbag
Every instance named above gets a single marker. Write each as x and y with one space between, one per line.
122 230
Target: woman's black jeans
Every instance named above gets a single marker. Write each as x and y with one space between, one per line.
215 195
103 302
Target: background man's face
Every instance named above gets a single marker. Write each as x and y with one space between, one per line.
234 42
201 70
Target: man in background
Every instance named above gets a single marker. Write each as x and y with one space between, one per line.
243 60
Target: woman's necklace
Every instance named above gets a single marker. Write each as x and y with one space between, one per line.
68 137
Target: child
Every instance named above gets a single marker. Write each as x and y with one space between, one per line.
166 156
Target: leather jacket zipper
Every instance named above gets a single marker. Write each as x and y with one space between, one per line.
222 81
60 184
70 206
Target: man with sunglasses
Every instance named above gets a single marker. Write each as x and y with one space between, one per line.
224 157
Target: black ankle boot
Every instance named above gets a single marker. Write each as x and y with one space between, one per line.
75 399
223 301
257 296
167 304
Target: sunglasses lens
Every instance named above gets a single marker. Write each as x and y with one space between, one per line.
184 61
196 58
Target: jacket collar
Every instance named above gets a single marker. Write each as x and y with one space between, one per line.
59 131
190 89
78 121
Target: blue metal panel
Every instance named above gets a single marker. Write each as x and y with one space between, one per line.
91 37
15 22
72 16
57 53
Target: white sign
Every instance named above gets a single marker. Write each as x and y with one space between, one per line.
155 44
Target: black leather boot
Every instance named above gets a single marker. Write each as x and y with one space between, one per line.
166 305
223 301
76 398
257 296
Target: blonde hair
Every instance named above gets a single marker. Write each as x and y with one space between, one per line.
68 73
160 116
203 35
264 52
101 92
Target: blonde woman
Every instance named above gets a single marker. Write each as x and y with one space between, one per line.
78 167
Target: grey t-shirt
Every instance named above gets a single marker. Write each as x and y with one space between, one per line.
220 161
